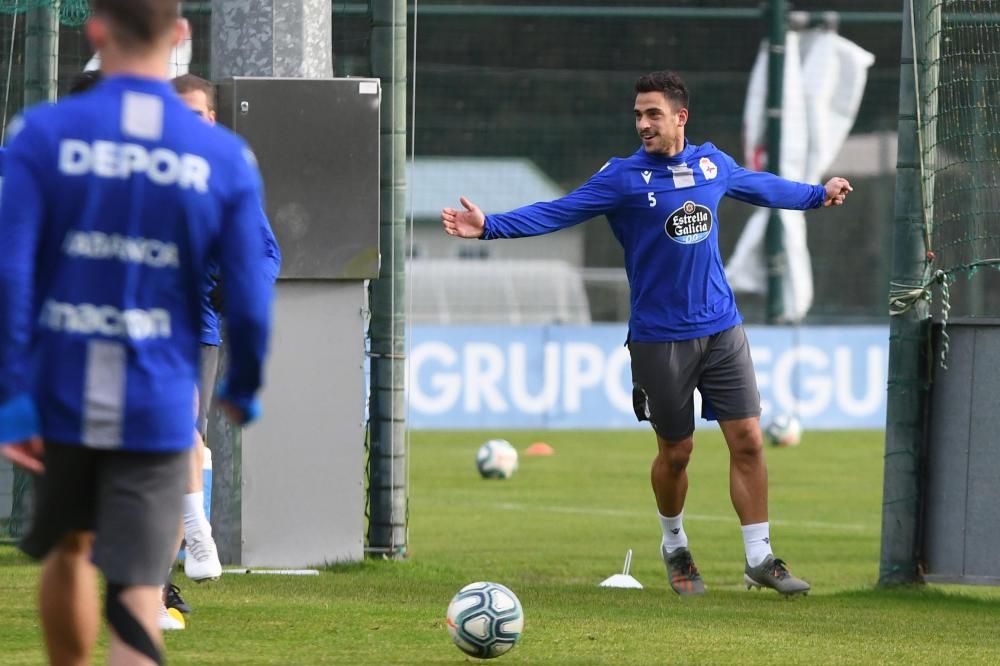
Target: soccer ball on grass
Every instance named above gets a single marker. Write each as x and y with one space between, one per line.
784 430
485 620
496 459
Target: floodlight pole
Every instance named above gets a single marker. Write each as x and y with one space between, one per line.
387 468
774 237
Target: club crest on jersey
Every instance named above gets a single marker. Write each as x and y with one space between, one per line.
689 224
708 168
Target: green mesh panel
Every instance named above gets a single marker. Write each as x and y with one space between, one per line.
71 12
957 47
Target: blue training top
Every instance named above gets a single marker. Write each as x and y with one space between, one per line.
663 212
211 329
123 198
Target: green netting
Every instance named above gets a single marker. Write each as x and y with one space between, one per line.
957 49
71 12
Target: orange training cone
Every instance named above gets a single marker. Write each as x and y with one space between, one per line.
539 449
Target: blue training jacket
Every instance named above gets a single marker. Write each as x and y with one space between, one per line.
663 212
115 202
211 329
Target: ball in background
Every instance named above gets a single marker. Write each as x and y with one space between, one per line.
496 459
784 430
485 620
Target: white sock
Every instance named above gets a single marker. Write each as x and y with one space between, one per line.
757 542
194 510
673 532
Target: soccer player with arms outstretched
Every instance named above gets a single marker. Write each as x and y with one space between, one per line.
123 198
685 331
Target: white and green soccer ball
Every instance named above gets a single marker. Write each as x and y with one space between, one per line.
784 430
485 620
496 459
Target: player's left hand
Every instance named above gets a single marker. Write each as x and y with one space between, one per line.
836 191
26 454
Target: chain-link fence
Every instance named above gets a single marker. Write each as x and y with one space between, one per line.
556 86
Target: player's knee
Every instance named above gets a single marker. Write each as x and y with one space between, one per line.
677 467
676 454
127 627
746 442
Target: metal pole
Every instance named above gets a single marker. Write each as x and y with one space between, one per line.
908 341
41 54
387 469
774 241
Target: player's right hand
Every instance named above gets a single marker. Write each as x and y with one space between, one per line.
468 223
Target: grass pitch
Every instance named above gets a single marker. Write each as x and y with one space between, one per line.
552 533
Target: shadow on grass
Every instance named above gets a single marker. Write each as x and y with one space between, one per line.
951 595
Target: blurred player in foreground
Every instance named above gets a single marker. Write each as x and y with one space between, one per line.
685 331
123 197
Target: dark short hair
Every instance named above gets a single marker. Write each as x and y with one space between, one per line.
666 82
186 83
137 23
84 81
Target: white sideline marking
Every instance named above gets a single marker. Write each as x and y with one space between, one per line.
623 513
274 572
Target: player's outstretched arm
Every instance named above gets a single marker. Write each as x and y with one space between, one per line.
468 223
837 190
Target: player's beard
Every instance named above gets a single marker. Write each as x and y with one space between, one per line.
654 144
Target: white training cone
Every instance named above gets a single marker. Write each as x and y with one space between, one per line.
623 579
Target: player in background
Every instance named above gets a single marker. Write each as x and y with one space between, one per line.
123 198
201 560
685 331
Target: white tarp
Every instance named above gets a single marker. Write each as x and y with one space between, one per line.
824 80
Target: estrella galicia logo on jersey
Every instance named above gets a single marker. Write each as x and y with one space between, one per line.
691 223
